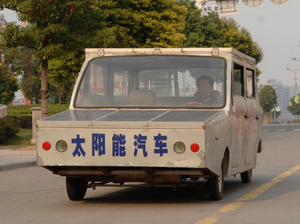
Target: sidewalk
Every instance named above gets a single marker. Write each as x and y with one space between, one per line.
13 158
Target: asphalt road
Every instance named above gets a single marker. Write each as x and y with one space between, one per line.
35 195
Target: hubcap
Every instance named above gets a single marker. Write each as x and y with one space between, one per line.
220 183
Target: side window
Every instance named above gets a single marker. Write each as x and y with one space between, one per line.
238 78
250 83
121 82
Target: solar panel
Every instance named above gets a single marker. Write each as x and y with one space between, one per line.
133 115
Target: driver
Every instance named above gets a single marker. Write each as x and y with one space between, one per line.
204 94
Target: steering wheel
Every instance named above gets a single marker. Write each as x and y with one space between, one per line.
194 103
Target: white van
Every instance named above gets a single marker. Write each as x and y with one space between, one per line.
156 116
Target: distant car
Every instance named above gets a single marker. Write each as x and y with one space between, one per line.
163 117
3 111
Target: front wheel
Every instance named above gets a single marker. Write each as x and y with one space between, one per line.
216 187
246 176
76 188
216 184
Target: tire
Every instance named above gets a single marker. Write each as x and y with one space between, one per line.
216 184
216 187
76 188
246 176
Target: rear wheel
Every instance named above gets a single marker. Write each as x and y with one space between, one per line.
246 176
76 188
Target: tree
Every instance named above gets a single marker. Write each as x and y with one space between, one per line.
200 31
63 72
142 23
8 85
21 63
55 27
268 100
211 31
294 105
241 40
30 83
127 24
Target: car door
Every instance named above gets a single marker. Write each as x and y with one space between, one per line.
253 116
240 123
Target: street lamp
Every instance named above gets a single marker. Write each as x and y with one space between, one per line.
295 71
277 109
295 59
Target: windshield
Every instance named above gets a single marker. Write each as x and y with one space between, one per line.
153 82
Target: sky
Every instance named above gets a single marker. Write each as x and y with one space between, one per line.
275 27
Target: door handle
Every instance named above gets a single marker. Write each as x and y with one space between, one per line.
256 117
246 116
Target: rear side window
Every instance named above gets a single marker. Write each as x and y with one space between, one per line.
250 83
238 80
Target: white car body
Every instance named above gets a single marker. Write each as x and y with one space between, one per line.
229 135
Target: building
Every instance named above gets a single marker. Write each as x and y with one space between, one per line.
20 99
292 89
284 94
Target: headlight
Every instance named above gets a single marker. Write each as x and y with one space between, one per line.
61 146
179 147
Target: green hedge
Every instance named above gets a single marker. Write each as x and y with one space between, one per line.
24 121
296 121
22 113
21 117
57 108
25 110
9 127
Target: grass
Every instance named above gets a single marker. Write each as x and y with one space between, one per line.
23 138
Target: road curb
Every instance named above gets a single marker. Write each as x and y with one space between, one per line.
17 165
